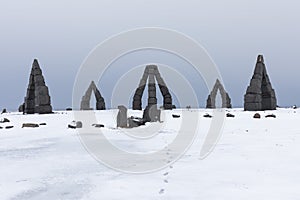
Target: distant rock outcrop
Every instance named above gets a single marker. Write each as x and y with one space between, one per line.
37 99
260 95
211 100
85 102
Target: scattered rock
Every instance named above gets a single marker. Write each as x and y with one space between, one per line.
294 107
175 116
9 127
21 107
98 125
71 126
4 120
78 124
30 125
271 115
135 122
256 116
75 124
229 115
43 124
1 127
207 115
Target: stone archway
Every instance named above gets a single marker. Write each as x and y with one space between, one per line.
151 73
211 100
260 95
86 99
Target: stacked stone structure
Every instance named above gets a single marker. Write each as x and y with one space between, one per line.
211 100
86 99
260 95
37 99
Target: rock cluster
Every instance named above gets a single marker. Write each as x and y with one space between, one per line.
85 102
37 99
260 95
211 100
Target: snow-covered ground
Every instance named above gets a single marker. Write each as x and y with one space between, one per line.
254 159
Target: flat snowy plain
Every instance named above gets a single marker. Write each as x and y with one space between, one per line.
253 159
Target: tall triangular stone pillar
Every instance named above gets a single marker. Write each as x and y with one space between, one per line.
260 95
37 99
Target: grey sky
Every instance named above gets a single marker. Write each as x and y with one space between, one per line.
62 33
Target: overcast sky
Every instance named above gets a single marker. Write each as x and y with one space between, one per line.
62 33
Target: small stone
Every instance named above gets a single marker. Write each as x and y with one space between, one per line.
207 115
229 115
43 124
9 127
71 126
4 111
30 125
271 116
175 116
4 120
98 125
78 124
256 116
21 107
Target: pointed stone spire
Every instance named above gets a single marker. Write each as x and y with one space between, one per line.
260 95
37 99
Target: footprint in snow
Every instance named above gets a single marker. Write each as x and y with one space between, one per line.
161 191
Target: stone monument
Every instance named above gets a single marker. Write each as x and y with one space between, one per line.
85 102
151 113
37 99
211 100
151 73
122 117
260 95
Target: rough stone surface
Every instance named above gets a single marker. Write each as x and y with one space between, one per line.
151 74
21 107
86 99
37 99
30 125
122 117
260 95
211 100
256 116
151 114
